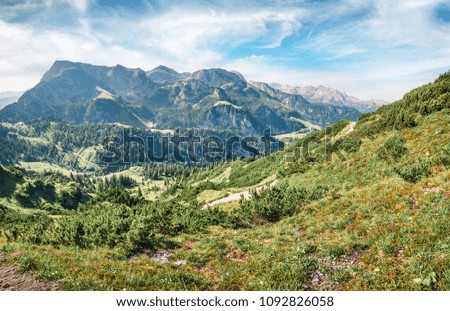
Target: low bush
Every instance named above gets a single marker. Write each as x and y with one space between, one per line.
273 204
415 171
393 149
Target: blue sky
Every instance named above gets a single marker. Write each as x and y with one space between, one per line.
370 49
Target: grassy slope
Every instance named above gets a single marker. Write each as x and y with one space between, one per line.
373 230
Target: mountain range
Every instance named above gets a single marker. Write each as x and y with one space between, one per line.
163 98
325 95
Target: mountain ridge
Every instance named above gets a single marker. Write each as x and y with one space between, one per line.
166 99
326 95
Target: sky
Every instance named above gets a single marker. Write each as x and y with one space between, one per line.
367 48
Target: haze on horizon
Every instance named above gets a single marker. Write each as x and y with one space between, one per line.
370 49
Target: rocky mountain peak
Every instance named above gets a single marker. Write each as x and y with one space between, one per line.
217 77
163 74
58 68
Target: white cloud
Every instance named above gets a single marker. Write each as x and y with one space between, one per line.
397 46
186 40
368 83
26 55
196 39
79 4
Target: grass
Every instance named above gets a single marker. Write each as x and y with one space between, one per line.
401 247
223 177
208 196
225 103
41 167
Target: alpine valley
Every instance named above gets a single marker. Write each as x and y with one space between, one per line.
358 199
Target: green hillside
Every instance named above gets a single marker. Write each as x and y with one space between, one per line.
362 206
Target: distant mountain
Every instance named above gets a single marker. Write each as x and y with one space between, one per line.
326 95
7 98
163 98
163 74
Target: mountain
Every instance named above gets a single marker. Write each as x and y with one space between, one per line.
303 107
326 95
163 74
7 98
165 99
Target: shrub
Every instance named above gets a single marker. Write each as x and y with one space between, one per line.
393 149
299 166
443 156
416 171
273 204
364 117
141 234
106 223
351 143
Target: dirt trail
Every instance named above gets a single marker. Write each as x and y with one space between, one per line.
237 196
351 128
12 280
246 194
